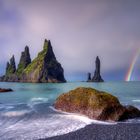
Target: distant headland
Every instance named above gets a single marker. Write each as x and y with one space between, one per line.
43 69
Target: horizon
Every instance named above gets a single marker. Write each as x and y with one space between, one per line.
82 30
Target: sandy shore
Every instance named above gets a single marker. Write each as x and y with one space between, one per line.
121 131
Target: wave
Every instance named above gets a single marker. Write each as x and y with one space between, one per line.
35 101
137 100
83 118
15 113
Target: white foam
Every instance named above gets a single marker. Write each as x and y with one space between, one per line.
38 100
58 124
15 113
83 118
137 100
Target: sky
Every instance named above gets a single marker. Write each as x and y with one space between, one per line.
79 30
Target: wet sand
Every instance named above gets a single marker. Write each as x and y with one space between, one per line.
120 131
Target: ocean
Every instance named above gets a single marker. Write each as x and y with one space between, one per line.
28 113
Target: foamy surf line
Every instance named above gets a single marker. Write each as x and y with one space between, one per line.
136 100
83 118
15 113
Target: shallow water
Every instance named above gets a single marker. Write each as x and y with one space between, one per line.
27 112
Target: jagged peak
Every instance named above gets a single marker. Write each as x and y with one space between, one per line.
45 47
46 40
48 48
26 48
12 60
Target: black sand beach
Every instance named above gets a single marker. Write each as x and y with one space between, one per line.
120 131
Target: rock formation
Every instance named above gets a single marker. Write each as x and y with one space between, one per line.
11 67
89 77
97 76
25 60
95 104
44 68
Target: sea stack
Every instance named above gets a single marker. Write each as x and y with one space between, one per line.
97 76
43 69
89 77
25 60
11 67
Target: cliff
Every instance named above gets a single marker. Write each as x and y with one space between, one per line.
43 69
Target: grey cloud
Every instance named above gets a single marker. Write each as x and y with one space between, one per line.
79 30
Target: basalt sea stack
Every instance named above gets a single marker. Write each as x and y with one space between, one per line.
97 76
43 69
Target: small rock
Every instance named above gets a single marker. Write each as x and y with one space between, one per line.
5 90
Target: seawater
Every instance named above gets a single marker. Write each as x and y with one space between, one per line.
28 113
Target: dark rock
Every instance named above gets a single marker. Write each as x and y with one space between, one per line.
11 67
95 104
97 77
89 77
5 90
44 68
130 112
7 68
25 60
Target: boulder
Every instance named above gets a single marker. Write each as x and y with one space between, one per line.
95 104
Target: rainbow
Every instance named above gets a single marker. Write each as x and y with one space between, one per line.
130 70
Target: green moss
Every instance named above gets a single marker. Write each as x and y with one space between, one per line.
88 97
37 63
20 69
10 71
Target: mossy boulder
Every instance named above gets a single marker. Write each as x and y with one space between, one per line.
95 104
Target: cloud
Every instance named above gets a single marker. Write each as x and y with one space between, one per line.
79 31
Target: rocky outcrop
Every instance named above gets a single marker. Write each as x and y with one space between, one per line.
89 77
5 90
11 67
44 68
25 60
95 104
97 75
